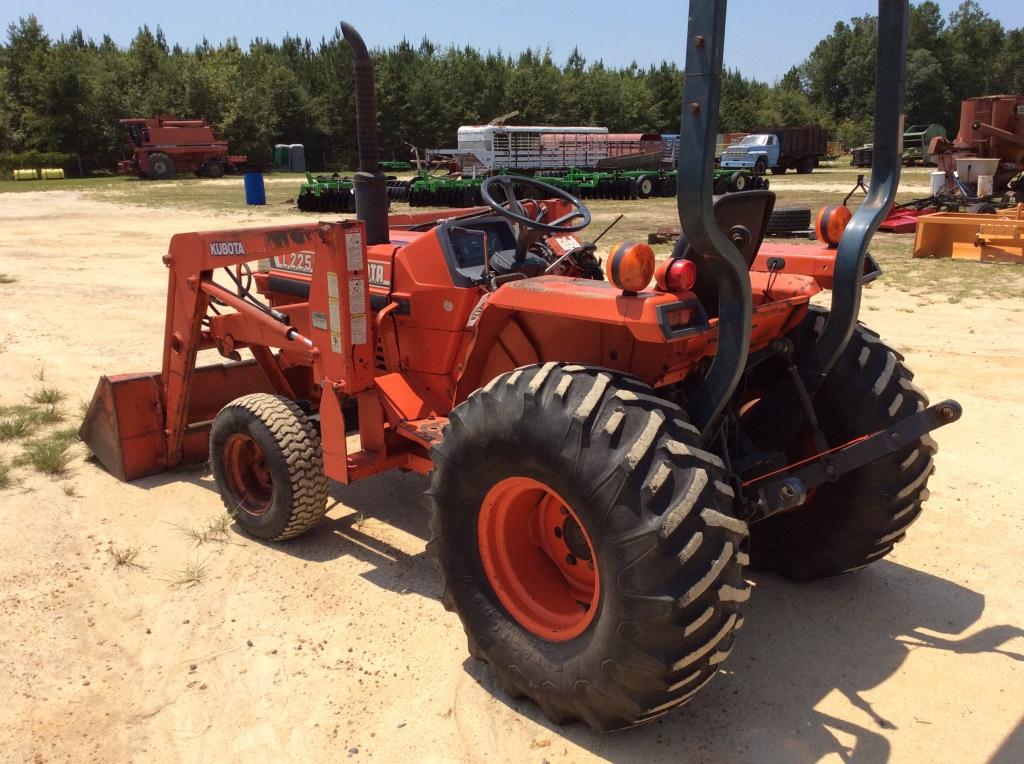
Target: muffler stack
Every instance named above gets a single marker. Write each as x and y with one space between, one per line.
370 184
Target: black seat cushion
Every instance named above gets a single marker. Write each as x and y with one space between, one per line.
743 217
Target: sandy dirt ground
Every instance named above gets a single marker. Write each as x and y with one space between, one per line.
334 646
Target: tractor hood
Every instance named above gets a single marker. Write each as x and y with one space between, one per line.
648 316
656 336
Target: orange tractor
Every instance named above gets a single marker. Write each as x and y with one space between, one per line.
603 457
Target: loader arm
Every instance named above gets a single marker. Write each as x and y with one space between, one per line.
140 424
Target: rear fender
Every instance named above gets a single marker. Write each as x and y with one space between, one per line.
799 260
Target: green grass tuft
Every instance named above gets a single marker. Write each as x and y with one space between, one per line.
50 415
47 396
6 481
50 457
67 435
17 426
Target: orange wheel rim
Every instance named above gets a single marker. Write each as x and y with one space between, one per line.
247 475
538 558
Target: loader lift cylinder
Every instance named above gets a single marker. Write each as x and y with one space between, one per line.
370 183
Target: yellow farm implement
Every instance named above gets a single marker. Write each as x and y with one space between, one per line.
995 238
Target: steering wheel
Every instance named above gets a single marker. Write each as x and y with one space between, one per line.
512 208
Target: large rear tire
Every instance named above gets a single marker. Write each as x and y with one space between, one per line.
161 166
856 520
550 467
215 169
268 463
805 166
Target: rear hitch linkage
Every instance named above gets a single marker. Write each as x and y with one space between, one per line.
788 488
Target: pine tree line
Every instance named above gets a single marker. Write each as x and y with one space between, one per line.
66 95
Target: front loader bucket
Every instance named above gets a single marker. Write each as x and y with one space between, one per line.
124 426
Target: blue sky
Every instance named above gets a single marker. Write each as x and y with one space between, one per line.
763 40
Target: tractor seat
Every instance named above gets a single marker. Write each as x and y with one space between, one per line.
743 217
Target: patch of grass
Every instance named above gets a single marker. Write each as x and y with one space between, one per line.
50 415
68 184
215 529
193 574
125 557
47 396
69 490
6 481
50 456
67 434
203 193
6 278
17 426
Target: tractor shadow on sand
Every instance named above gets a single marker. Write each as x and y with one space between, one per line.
801 643
390 503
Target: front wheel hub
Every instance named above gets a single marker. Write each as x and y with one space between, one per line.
538 558
248 477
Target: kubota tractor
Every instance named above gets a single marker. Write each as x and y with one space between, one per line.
603 457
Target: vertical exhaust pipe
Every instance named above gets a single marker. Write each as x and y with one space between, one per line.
370 184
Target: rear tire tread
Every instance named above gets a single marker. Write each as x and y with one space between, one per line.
673 564
857 520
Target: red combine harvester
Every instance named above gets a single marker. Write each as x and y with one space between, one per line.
991 127
604 458
163 146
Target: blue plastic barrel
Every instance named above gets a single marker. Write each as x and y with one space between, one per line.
255 193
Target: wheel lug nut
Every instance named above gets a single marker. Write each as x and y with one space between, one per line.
571 559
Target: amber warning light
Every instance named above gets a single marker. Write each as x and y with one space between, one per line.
630 266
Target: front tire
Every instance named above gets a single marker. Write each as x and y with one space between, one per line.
215 170
161 166
559 461
739 181
268 463
856 520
